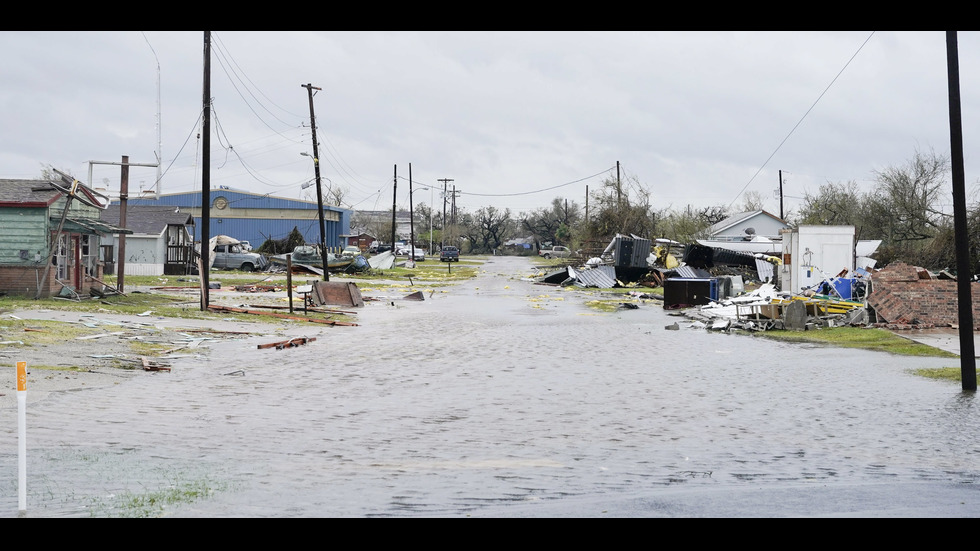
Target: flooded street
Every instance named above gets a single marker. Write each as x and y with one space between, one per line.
499 397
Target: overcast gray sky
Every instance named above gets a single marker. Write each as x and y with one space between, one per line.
513 118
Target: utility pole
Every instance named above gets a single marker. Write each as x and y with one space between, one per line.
586 205
206 180
968 362
319 188
453 217
780 194
444 197
411 220
619 189
394 209
123 198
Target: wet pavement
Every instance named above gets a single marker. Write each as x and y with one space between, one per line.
501 397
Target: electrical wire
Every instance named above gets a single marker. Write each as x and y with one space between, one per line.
537 190
797 125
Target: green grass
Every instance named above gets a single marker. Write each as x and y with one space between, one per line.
940 373
154 503
859 337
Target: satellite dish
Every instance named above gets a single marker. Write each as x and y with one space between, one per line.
750 231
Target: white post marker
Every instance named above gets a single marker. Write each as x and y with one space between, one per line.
22 434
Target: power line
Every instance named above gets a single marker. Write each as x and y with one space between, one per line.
538 190
801 119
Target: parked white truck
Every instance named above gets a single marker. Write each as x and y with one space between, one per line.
555 252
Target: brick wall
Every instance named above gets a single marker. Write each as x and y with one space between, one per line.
904 295
22 281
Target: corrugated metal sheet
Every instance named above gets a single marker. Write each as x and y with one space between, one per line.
603 277
765 269
631 251
689 271
558 277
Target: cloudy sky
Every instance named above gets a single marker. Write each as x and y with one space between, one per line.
510 119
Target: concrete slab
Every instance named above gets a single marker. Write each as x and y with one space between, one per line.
946 338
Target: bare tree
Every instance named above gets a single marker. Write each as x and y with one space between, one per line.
490 228
553 224
621 211
913 195
833 205
752 201
335 194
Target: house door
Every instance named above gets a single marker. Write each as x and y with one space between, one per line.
69 268
76 262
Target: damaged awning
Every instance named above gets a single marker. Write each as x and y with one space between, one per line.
92 225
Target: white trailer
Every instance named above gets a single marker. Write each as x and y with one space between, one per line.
812 254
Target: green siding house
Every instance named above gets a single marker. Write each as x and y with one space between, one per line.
38 260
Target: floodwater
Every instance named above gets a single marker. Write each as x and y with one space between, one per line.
499 397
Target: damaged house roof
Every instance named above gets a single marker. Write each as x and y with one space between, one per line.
148 219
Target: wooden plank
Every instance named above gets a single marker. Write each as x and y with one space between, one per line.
297 341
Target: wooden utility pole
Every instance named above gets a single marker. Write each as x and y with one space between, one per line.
968 361
206 179
319 189
444 197
619 189
452 212
394 209
781 195
411 220
123 198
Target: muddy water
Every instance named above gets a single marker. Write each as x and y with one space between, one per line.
500 397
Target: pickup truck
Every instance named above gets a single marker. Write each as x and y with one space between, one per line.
449 254
555 252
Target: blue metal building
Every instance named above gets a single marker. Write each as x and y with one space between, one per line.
257 217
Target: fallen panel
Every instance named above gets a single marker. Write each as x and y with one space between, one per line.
557 277
336 292
603 277
417 295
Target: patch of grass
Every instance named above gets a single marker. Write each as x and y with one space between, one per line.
154 503
604 305
859 337
941 373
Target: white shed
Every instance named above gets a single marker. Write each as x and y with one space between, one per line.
812 254
159 245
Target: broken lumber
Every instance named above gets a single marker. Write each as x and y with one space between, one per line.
150 365
291 343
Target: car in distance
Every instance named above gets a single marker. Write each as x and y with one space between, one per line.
449 254
555 252
414 252
351 250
